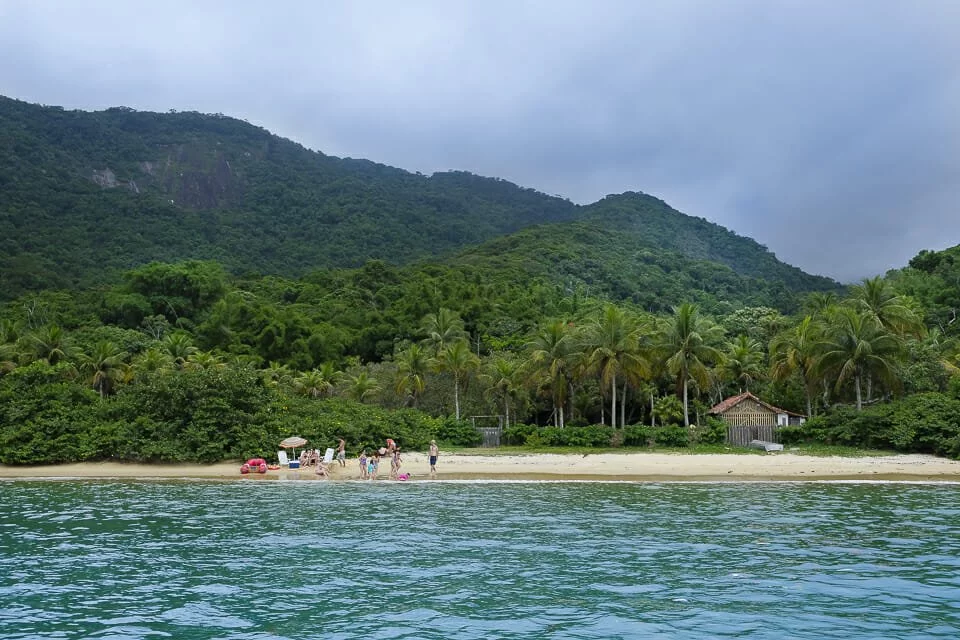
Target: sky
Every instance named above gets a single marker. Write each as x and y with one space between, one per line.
828 131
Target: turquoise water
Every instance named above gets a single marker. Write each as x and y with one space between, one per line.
262 560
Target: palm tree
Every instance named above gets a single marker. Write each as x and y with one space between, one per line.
457 359
744 361
442 328
686 347
361 386
819 302
502 374
319 382
611 349
276 375
104 365
180 347
857 346
49 344
795 351
551 359
153 359
204 360
878 297
412 367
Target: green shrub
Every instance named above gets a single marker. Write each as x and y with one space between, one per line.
672 436
518 434
459 433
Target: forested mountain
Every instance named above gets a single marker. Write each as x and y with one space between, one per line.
87 195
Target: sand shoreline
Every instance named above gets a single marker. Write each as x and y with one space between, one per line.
650 467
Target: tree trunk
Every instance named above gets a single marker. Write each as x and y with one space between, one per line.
506 411
456 395
653 416
561 416
809 404
603 411
856 383
686 414
623 404
613 401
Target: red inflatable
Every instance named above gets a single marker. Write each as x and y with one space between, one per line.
254 465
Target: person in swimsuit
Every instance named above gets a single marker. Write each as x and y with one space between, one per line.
434 452
363 464
342 453
373 465
395 463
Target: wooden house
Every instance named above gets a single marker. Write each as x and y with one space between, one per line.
750 418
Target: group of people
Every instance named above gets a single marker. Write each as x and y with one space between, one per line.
370 464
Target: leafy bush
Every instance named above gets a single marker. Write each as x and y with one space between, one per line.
672 436
518 434
713 431
592 436
459 433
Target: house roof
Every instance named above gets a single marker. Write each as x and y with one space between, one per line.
732 401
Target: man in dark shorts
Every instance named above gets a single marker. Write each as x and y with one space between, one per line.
434 452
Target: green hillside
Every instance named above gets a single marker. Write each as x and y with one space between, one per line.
85 196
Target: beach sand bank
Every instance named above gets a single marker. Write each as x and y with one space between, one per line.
548 466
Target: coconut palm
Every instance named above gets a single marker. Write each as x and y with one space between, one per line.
819 302
204 360
551 359
361 386
611 349
457 360
276 375
502 374
857 346
49 343
743 363
153 359
319 382
412 367
180 347
892 310
686 347
796 351
442 328
104 365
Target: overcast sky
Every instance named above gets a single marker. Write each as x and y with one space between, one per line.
827 130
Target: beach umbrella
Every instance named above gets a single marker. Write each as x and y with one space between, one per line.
292 443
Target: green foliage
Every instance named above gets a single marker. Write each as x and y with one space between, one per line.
666 436
923 423
458 433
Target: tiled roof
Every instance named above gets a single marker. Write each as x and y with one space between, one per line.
732 401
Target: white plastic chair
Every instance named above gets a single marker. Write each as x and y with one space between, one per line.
328 456
282 457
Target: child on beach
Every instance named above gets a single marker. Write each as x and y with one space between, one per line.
372 466
363 464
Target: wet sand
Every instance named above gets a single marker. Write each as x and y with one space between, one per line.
548 466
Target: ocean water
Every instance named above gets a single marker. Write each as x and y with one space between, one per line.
261 560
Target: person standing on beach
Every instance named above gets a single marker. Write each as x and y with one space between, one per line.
395 463
363 464
434 453
342 453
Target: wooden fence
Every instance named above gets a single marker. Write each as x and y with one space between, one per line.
491 435
741 435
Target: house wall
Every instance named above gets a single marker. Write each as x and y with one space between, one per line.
749 413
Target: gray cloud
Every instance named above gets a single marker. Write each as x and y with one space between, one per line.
825 130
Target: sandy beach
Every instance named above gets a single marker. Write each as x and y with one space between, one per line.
547 466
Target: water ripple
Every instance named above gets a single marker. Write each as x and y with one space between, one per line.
244 560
